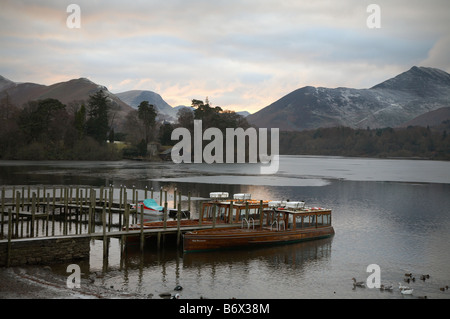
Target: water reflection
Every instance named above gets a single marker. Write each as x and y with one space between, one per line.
294 255
203 274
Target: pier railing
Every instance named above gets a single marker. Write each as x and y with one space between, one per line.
31 212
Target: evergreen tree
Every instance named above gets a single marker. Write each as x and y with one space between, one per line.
147 114
97 124
80 121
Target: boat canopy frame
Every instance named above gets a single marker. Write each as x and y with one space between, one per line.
232 210
295 219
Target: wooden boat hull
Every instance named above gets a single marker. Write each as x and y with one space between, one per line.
160 225
213 239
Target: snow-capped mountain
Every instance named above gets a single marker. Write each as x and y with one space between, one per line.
388 104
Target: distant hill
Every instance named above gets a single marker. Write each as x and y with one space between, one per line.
135 97
243 113
388 104
432 118
66 92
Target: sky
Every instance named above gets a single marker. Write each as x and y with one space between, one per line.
242 55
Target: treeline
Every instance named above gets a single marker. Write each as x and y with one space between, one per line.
50 130
412 142
84 130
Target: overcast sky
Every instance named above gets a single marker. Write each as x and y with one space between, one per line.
243 55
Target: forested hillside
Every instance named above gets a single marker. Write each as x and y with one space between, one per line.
413 141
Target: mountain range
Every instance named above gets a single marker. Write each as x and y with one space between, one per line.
395 102
388 104
67 92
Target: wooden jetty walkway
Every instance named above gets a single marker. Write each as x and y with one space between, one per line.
74 212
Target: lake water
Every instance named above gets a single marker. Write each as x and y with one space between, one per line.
393 213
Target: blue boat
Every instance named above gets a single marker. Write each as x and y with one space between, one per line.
152 211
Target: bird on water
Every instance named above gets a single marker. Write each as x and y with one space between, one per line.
358 283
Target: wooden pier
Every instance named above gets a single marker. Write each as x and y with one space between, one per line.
76 212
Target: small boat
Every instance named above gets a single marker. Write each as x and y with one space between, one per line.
279 223
152 211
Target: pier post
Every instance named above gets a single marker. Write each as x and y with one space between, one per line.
178 224
175 198
214 215
77 210
142 228
80 210
101 196
91 209
17 214
230 219
136 201
8 254
189 203
165 196
246 210
165 215
158 240
54 200
66 209
23 197
86 196
29 198
120 197
109 208
105 243
33 211
48 213
3 211
53 213
200 216
126 215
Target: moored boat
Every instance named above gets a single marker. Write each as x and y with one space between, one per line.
281 222
219 209
152 211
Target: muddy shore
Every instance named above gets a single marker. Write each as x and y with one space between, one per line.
39 282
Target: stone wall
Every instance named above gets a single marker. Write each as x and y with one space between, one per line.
32 251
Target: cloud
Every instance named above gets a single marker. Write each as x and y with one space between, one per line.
439 54
241 54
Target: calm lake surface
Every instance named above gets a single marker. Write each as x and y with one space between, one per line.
393 213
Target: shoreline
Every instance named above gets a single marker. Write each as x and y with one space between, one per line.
39 282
